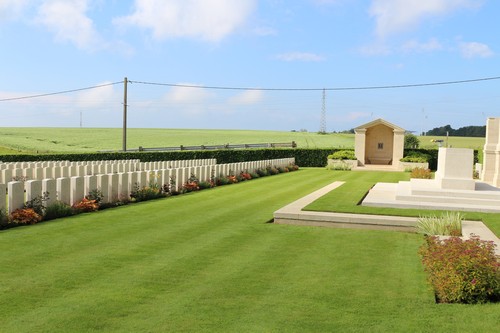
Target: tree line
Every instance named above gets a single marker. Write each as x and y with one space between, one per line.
469 131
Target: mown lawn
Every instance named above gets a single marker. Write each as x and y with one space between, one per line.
210 262
346 198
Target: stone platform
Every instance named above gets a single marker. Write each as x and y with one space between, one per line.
427 194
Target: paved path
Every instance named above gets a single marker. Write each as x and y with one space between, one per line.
293 214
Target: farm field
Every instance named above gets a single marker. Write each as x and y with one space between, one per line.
210 262
80 140
94 139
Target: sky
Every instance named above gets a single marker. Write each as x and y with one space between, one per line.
280 63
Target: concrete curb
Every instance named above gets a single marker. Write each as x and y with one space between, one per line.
293 214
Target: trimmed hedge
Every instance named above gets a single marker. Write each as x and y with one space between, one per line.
303 157
313 157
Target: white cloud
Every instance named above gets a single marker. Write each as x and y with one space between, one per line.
300 56
98 97
475 50
247 97
393 16
210 20
67 19
415 46
190 100
11 9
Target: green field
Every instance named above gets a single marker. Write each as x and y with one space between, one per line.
210 262
67 140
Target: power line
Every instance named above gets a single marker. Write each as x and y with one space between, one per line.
254 88
59 92
318 89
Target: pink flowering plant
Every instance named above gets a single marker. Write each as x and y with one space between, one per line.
462 271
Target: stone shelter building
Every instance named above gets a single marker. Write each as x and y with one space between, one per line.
379 143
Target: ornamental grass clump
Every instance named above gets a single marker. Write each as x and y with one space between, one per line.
462 271
448 224
421 173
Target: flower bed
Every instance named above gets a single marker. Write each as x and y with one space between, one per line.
35 210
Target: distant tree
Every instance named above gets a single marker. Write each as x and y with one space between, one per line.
468 131
411 141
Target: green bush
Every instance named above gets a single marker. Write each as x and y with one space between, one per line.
448 224
153 191
57 209
416 157
342 155
4 219
38 203
462 271
411 141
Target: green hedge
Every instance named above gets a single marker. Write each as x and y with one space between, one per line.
303 157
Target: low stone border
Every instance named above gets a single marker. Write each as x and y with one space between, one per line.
293 214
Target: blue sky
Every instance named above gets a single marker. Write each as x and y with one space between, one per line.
57 45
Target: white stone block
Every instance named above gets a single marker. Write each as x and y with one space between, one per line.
3 197
33 189
49 187
6 176
63 188
113 187
77 189
16 195
102 184
123 192
455 168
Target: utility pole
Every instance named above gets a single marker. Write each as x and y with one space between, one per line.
81 120
125 81
322 125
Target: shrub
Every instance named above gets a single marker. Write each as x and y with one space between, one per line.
221 181
38 203
283 169
232 179
95 195
272 170
462 271
421 173
153 191
86 205
25 216
262 172
448 224
57 209
190 186
4 219
411 141
416 157
342 155
204 185
254 175
245 175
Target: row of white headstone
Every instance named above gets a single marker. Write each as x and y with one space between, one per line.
64 169
117 186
